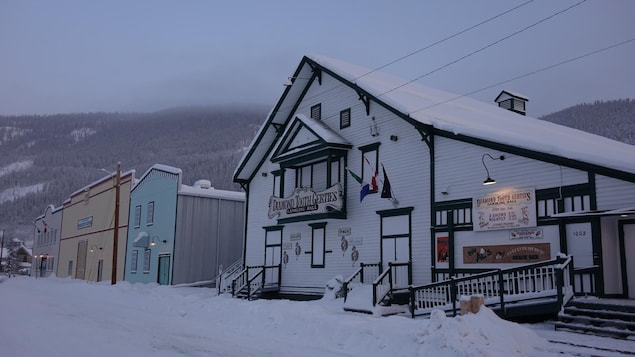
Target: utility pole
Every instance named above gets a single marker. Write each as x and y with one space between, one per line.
115 242
1 249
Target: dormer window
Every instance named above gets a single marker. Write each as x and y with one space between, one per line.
513 102
312 159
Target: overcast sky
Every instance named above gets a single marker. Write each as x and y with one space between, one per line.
120 55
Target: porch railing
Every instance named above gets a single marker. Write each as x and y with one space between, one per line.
553 278
227 275
366 273
397 276
254 279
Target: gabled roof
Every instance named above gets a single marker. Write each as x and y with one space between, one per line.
304 135
447 114
159 167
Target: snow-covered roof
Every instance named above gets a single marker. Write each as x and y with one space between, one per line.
159 167
211 192
99 181
454 114
473 118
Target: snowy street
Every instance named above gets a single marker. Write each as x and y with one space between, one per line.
63 317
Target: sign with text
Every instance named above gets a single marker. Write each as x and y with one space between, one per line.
85 222
513 253
305 201
504 210
529 233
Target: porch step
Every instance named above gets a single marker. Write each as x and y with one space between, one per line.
602 319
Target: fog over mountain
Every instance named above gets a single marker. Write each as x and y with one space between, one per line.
45 158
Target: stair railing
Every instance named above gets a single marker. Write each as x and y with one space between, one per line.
365 272
397 276
227 275
549 278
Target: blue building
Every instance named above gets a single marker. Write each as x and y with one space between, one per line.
181 234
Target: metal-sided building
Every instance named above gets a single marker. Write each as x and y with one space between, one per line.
181 234
87 238
46 244
354 166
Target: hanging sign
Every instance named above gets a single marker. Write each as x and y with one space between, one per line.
305 201
504 210
529 233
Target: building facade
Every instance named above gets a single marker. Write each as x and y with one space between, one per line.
46 244
87 243
181 234
353 166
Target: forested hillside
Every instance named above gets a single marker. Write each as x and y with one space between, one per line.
613 119
43 159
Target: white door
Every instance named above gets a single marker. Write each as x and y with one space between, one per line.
395 239
580 244
629 248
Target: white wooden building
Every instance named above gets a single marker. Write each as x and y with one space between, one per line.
557 189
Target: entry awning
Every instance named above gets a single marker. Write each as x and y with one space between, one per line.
142 240
602 213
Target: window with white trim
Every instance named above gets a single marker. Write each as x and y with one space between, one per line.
137 216
318 243
150 216
146 261
133 261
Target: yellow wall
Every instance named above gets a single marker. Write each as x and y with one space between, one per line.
96 201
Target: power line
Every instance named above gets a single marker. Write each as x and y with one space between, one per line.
430 46
529 73
444 39
486 46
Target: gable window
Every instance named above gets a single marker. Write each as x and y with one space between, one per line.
318 242
137 216
345 118
370 165
146 261
133 261
316 112
150 218
277 183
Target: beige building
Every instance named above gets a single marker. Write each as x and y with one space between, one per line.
88 221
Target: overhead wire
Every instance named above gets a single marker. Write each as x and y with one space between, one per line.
529 73
487 46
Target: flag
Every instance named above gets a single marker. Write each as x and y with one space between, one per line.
386 191
373 181
45 225
365 187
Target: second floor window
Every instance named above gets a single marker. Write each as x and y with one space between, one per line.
150 218
137 216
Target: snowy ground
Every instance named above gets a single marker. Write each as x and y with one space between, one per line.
63 317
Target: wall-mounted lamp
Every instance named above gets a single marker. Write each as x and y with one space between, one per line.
374 131
394 138
94 248
156 240
263 174
489 180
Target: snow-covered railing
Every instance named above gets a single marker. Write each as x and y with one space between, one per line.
226 276
498 287
397 276
365 273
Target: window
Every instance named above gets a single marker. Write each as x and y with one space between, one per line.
133 261
150 218
345 118
370 162
318 240
137 216
316 176
146 261
277 183
316 112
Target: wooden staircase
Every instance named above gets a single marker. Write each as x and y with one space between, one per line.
598 317
255 281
